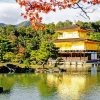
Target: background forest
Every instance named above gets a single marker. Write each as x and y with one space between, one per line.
22 44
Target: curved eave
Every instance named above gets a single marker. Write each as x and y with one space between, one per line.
84 31
69 40
92 41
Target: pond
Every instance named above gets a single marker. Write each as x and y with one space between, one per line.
50 86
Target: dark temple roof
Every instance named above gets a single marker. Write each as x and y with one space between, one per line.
69 40
69 27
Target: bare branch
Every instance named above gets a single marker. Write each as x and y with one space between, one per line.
83 10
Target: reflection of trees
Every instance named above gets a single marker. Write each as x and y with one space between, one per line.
98 78
27 80
71 86
43 87
6 82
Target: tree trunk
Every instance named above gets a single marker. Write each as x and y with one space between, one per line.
43 65
1 57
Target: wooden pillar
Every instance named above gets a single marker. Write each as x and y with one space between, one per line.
71 62
98 55
76 56
84 55
71 55
80 55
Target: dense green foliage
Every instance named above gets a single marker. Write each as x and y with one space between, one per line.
25 45
28 46
94 26
63 24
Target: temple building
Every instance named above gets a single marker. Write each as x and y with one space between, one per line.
75 45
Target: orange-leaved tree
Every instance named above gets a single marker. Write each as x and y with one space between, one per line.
34 7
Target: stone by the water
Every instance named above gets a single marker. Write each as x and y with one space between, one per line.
1 89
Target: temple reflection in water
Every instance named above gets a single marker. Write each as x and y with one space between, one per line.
71 87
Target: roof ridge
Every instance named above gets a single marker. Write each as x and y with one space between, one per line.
69 27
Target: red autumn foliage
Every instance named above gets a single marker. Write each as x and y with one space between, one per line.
35 7
21 50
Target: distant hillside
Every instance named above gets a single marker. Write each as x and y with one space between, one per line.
2 24
25 24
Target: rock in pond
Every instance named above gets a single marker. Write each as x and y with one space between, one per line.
1 89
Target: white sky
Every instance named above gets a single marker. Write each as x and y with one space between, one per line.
10 14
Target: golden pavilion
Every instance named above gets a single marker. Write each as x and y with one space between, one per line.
74 44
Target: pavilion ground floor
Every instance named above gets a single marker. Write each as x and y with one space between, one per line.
77 60
86 55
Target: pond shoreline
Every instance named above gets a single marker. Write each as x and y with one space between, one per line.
13 68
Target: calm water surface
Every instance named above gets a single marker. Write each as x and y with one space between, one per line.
50 86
